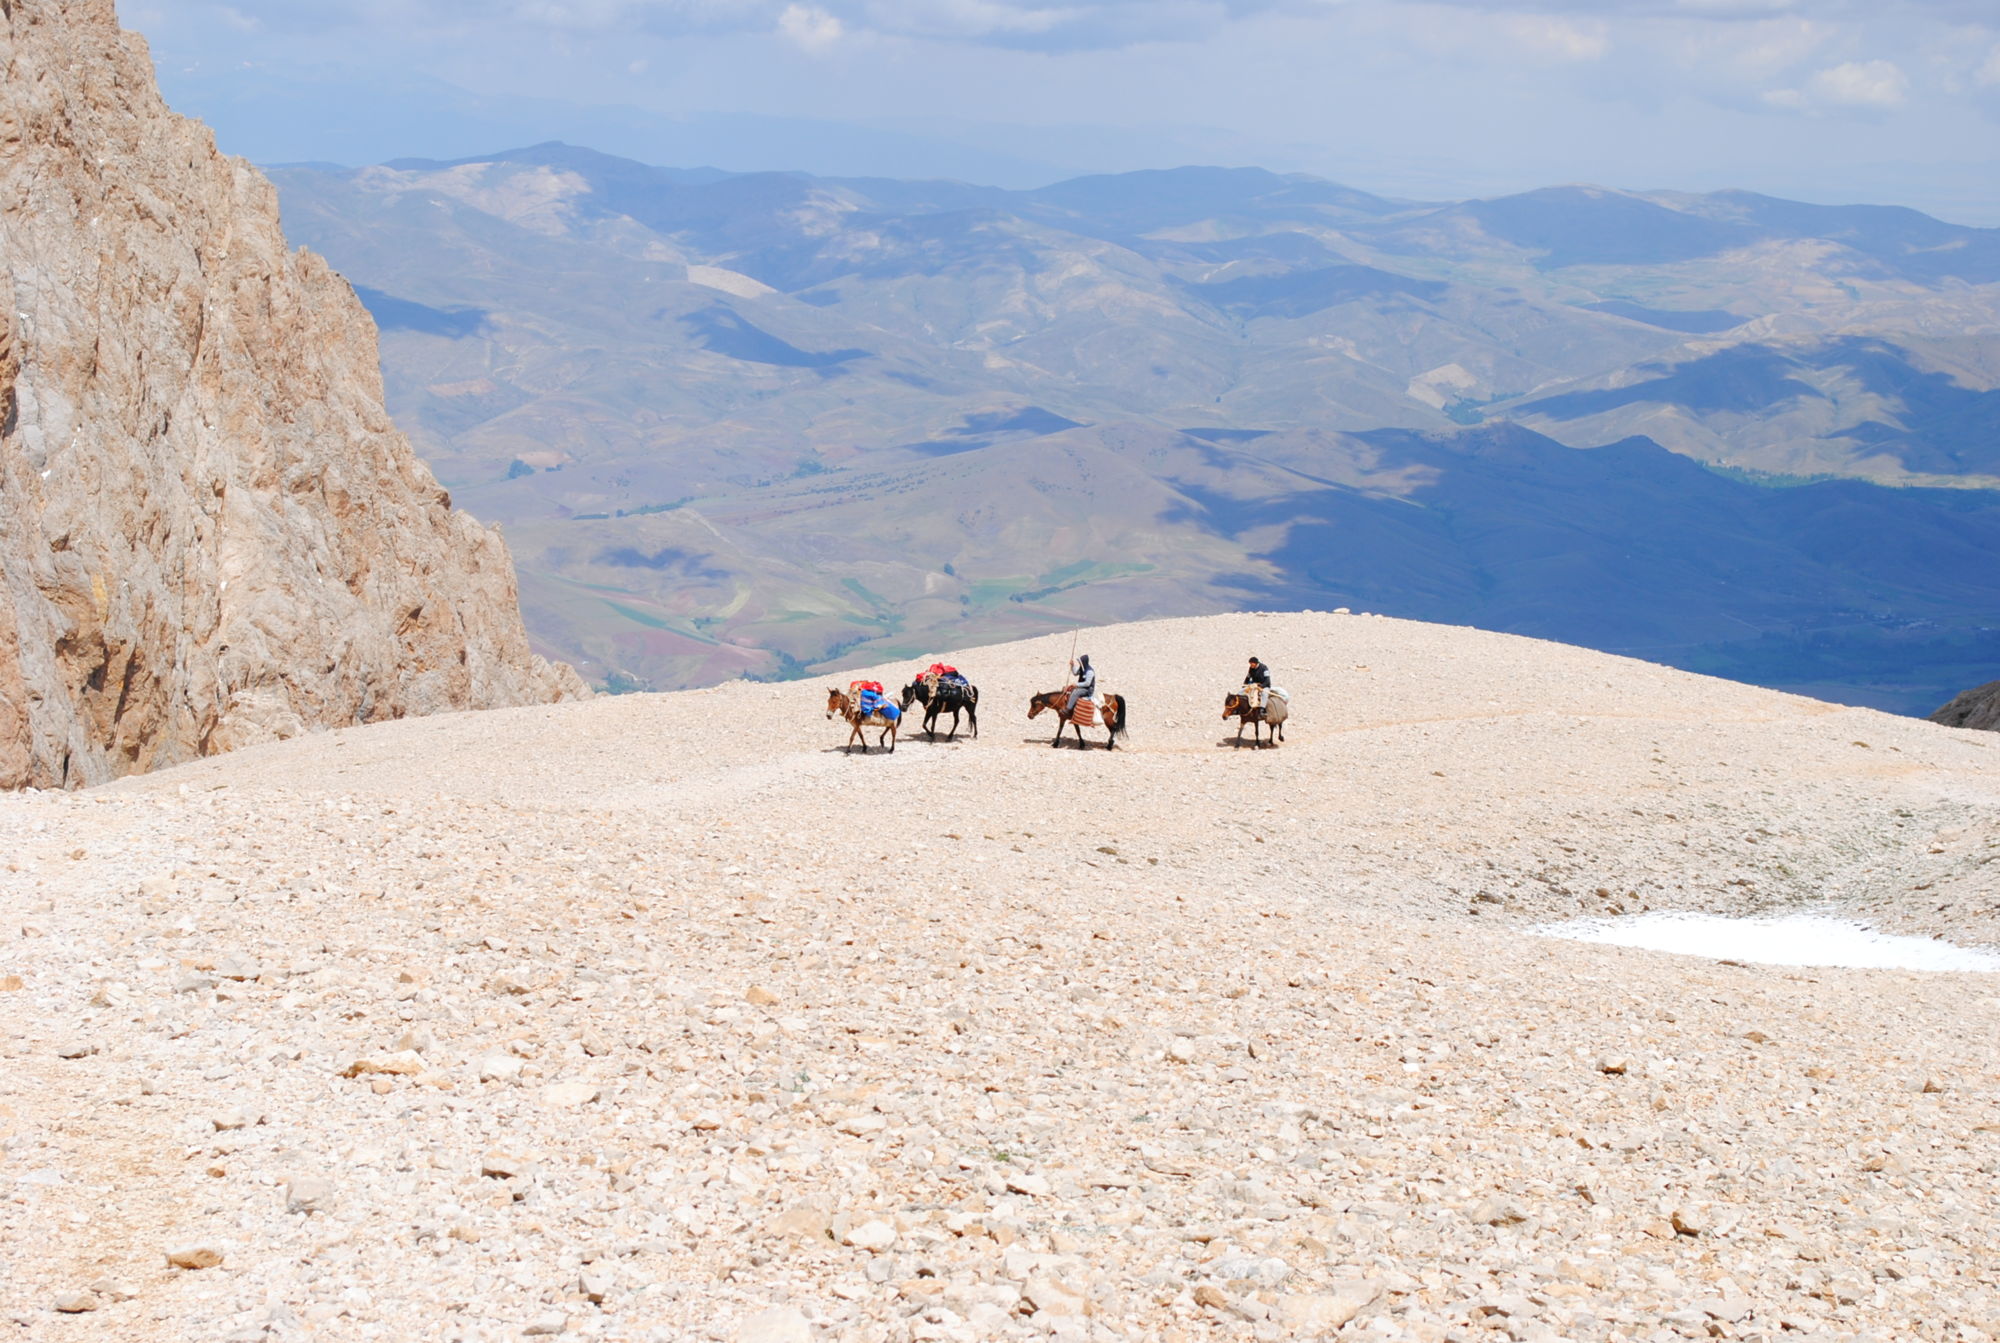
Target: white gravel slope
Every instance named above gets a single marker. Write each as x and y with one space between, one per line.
695 1027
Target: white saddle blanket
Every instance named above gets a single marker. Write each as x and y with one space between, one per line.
1277 705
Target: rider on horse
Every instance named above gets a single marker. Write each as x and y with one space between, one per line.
1256 683
1083 684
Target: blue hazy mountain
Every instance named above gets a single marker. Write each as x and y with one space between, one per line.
864 416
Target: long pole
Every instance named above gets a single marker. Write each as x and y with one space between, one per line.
1070 667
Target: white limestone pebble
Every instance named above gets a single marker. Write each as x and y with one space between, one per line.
778 1324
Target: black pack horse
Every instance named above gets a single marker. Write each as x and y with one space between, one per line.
940 696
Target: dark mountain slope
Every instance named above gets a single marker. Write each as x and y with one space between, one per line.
1627 548
767 421
1976 708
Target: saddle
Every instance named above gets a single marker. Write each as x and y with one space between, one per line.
940 674
1086 713
872 701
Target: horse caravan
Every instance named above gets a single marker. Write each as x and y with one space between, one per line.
941 687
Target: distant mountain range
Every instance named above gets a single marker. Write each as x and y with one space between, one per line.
764 423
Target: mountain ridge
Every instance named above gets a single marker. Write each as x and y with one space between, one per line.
715 345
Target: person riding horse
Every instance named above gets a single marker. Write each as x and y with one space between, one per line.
1257 683
1083 684
1258 704
1076 706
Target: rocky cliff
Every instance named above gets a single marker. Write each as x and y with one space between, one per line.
211 534
1978 707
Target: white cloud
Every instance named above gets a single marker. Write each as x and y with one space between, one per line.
1562 39
1728 11
1570 30
1869 84
968 19
809 27
1854 86
1989 73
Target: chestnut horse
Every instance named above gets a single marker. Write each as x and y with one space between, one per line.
840 705
1110 715
1274 713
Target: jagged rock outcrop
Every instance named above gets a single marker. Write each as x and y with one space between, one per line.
1978 707
211 534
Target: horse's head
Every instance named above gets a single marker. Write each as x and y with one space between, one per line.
836 703
1232 704
1037 703
912 692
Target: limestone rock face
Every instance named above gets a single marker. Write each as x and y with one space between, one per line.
211 534
1978 707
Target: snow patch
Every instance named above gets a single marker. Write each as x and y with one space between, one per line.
728 281
1794 939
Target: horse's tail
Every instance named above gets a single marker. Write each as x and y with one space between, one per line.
972 707
1118 715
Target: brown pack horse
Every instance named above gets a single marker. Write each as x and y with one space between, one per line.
1110 715
1237 705
839 704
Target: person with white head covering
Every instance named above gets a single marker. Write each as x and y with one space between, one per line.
1083 684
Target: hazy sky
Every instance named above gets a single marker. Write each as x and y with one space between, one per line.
1837 100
